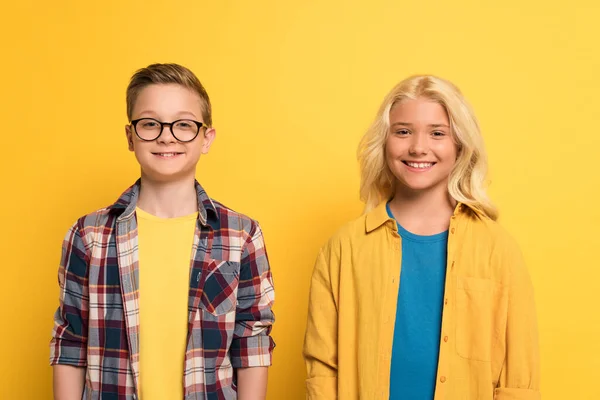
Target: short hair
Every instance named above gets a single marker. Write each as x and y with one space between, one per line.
167 74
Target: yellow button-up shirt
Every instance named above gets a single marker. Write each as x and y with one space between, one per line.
489 340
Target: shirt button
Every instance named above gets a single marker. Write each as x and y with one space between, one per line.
452 230
445 338
443 379
446 302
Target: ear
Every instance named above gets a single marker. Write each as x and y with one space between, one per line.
129 135
209 136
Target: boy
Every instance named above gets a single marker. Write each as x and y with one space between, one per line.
138 318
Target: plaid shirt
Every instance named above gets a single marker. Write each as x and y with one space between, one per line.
230 297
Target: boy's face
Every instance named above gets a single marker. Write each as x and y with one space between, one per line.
165 158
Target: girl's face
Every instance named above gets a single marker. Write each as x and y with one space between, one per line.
420 150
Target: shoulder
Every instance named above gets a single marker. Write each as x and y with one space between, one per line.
94 221
99 218
491 233
87 231
347 236
498 248
234 221
96 226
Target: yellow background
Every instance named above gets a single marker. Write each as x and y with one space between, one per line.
294 86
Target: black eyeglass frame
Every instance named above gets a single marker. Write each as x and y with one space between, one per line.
170 125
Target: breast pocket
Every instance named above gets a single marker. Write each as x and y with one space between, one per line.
219 292
475 309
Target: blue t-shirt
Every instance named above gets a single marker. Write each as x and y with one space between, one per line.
419 315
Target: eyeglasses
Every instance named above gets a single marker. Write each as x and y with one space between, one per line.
184 130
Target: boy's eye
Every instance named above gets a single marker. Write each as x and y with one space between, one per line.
187 125
149 124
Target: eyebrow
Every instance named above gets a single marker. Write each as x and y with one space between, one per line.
430 125
179 114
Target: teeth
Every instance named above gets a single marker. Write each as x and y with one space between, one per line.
167 154
419 165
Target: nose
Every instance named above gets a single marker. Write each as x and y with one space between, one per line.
418 144
166 136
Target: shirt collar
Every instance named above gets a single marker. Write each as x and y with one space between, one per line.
378 216
126 203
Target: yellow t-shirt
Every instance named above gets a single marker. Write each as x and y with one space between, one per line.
165 246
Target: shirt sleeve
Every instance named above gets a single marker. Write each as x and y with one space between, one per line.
252 345
520 374
69 336
321 338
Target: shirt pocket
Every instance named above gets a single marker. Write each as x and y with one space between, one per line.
475 304
219 292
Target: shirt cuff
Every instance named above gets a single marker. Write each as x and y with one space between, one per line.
252 351
67 352
321 388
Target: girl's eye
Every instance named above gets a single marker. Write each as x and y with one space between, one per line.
438 133
402 132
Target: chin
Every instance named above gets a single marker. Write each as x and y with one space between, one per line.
165 176
419 186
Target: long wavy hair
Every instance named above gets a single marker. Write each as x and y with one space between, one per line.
466 183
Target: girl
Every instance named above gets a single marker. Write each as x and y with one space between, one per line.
425 295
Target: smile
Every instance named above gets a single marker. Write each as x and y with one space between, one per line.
167 155
419 165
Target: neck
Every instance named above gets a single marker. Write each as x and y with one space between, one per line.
423 213
168 199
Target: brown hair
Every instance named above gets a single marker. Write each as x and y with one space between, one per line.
166 74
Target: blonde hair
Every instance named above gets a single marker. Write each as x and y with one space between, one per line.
167 74
467 178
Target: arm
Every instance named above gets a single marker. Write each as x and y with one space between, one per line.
320 342
68 347
520 375
252 383
68 382
252 345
